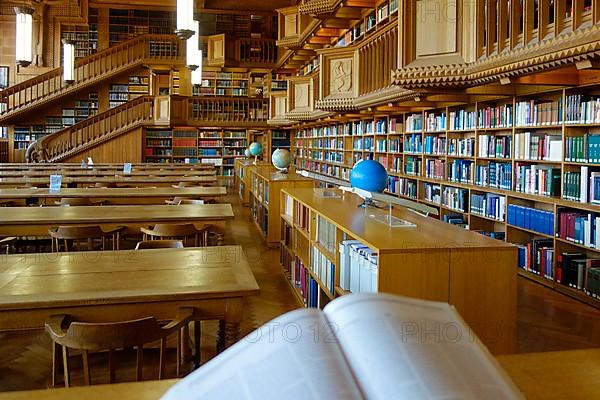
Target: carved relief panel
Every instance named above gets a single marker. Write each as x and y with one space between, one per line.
340 76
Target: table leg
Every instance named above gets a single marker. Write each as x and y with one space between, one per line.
229 333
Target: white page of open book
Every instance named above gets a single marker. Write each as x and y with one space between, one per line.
402 348
295 356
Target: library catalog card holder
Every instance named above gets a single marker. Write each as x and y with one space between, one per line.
380 215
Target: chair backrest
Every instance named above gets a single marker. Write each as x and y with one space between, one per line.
98 336
172 230
159 244
76 232
75 201
191 201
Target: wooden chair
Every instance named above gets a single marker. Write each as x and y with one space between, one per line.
87 337
86 234
173 231
7 243
181 200
159 244
76 201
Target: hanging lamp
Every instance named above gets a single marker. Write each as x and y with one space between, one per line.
68 60
191 53
24 36
185 19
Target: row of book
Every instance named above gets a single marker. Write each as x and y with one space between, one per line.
582 109
577 271
537 257
491 146
325 234
498 116
412 166
402 186
301 216
323 269
358 267
432 193
579 227
455 219
494 174
461 146
530 218
536 146
435 145
538 113
435 168
455 198
435 123
582 186
461 171
584 149
414 123
413 144
543 180
461 120
489 205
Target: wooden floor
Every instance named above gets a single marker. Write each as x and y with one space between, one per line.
546 320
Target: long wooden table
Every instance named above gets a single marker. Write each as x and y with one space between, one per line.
115 166
118 180
35 221
101 172
558 375
109 286
114 195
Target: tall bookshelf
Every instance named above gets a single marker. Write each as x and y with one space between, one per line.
521 169
124 24
196 145
223 83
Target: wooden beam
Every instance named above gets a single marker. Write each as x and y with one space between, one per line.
336 23
359 3
558 78
348 13
330 32
320 40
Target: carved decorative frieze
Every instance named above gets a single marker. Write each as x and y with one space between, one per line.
319 7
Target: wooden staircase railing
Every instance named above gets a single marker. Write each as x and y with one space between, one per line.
149 111
256 51
93 131
114 60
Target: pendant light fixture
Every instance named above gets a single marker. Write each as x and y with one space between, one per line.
68 60
185 19
68 57
197 73
191 53
24 36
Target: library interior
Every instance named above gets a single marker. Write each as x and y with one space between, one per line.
179 178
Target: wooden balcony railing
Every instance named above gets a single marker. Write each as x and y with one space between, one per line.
257 51
93 131
233 110
89 70
377 58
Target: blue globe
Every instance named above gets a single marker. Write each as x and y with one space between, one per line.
247 153
255 148
369 175
281 159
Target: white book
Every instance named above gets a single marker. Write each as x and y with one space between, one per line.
354 267
365 270
374 269
587 231
583 190
365 346
597 233
345 261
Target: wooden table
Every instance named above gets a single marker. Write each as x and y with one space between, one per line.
35 221
108 173
116 166
110 286
114 195
118 180
560 375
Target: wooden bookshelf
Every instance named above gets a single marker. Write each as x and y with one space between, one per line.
242 167
265 185
525 151
433 260
190 145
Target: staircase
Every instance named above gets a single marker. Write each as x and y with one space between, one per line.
93 131
43 89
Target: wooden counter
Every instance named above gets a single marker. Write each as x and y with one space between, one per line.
433 261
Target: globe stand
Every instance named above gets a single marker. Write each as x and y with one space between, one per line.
255 160
368 203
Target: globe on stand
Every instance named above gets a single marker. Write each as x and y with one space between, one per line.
255 150
369 175
247 153
281 159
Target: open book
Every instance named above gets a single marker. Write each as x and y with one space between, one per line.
361 346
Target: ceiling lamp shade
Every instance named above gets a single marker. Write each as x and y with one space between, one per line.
24 36
192 53
197 73
68 60
185 19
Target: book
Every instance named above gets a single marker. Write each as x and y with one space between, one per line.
363 346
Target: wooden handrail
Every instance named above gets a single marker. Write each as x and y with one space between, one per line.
108 62
226 109
92 131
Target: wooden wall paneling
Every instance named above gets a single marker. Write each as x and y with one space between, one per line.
480 40
436 28
544 19
502 25
559 17
577 15
490 18
406 32
515 26
595 11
